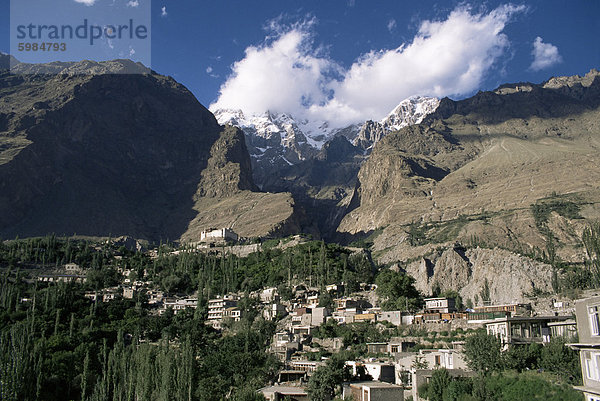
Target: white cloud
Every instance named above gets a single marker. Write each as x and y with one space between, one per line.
209 70
86 2
133 3
391 25
544 55
163 11
287 74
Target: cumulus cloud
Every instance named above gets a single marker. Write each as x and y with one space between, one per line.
163 11
544 55
284 75
133 3
288 74
86 2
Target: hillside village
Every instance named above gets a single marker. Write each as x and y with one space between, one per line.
411 344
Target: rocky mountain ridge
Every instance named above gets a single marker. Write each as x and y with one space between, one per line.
90 149
476 168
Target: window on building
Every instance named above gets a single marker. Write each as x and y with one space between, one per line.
592 365
437 360
593 398
594 320
395 348
515 330
536 330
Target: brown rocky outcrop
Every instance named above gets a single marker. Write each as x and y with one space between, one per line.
509 277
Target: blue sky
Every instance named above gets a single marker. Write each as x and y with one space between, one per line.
350 59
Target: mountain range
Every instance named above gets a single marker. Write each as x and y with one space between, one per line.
82 152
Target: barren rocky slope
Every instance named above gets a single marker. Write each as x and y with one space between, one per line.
498 169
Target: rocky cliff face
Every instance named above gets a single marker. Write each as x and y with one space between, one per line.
494 275
227 197
111 154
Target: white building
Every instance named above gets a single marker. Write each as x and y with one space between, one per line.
179 304
223 234
217 308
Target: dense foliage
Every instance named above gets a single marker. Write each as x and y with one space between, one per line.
527 386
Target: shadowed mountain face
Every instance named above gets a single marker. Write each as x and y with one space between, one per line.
100 154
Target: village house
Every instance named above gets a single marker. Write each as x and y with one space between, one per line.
274 311
522 329
373 391
394 317
233 313
379 371
440 305
365 317
280 393
345 303
396 345
284 345
377 348
344 316
312 301
513 309
63 278
128 292
217 308
155 297
72 267
269 295
587 312
566 329
319 316
178 304
304 366
414 369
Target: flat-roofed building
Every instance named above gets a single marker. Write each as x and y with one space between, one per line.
523 330
280 393
511 309
440 305
587 312
217 235
217 308
373 391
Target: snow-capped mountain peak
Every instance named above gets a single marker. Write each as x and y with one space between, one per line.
275 138
410 111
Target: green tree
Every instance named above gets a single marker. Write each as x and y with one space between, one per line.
440 380
591 241
397 290
522 357
558 358
326 380
483 353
